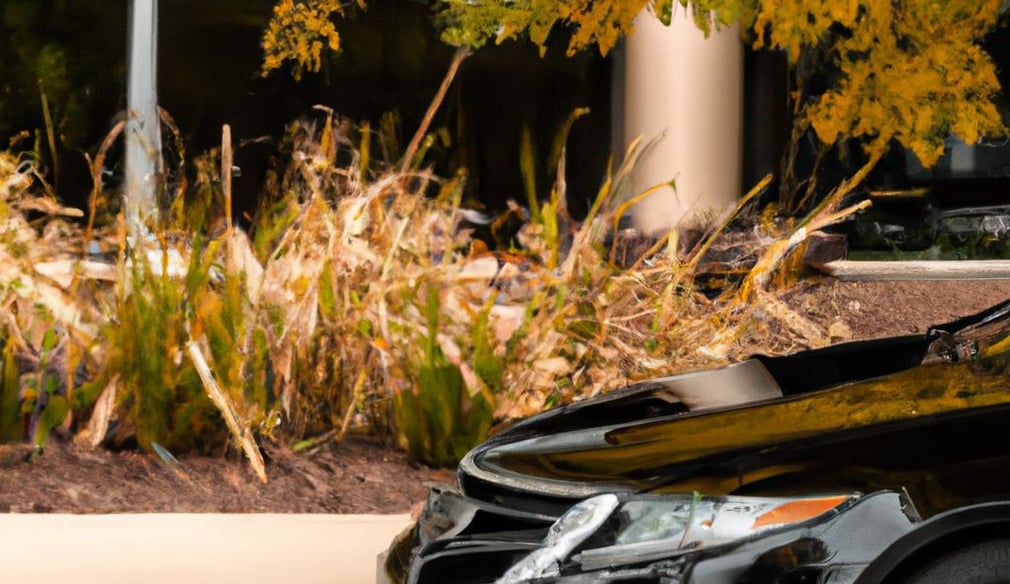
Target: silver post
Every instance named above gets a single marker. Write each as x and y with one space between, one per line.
143 128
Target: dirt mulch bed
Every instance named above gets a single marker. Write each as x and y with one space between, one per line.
354 476
876 309
365 476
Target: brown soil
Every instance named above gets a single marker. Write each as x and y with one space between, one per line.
354 476
364 476
876 309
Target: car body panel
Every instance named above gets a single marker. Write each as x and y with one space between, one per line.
933 535
830 429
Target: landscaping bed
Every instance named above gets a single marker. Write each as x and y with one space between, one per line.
365 474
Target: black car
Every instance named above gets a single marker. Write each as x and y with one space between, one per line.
876 461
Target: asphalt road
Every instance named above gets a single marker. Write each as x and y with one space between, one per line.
193 548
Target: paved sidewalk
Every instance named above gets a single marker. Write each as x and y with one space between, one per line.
194 548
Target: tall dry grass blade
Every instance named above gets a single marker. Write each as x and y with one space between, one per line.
687 268
699 252
561 136
457 59
179 144
101 416
238 429
620 188
47 117
670 243
96 179
357 396
826 213
226 168
401 230
760 276
328 138
627 205
241 260
365 152
528 171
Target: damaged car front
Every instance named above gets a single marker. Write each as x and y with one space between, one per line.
659 538
853 463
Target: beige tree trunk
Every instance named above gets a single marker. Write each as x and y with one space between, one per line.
688 90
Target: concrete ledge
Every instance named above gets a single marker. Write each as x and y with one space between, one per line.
194 548
919 270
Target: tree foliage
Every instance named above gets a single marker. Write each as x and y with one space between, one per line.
872 70
907 70
596 23
910 70
592 23
299 31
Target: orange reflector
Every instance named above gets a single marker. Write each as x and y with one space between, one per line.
794 511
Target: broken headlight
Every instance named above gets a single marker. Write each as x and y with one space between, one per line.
610 531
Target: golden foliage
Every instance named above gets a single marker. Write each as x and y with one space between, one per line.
593 22
299 31
599 23
909 70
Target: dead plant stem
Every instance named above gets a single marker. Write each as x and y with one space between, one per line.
96 180
224 404
699 252
824 214
47 116
408 157
356 397
226 166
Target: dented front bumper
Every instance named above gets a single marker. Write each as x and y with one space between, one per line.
650 538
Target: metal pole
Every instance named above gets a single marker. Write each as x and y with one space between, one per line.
143 128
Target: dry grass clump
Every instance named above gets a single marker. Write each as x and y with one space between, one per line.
360 301
396 303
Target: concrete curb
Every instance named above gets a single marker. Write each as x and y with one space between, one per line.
195 548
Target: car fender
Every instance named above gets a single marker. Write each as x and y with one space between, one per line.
936 534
